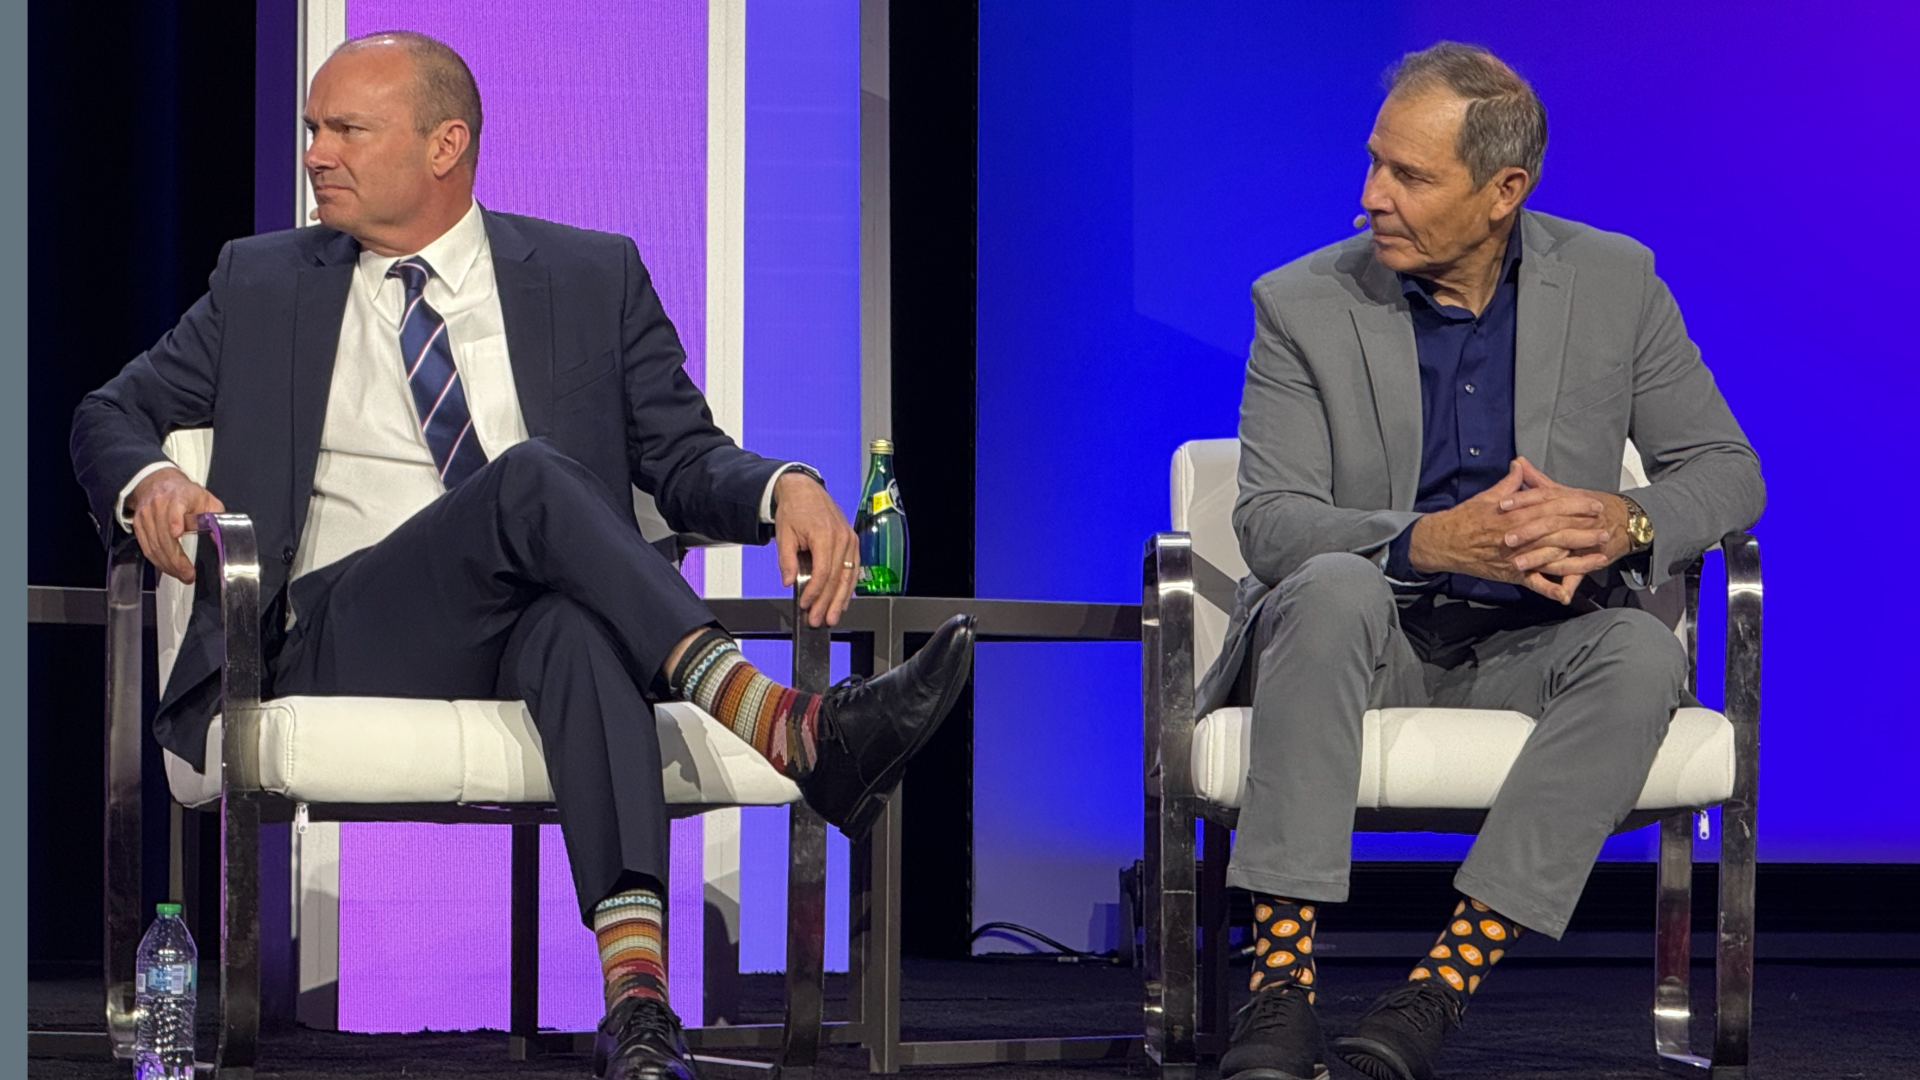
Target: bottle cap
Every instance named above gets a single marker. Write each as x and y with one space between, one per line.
880 446
166 910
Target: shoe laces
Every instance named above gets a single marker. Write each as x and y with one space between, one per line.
1271 1010
1424 1005
651 1017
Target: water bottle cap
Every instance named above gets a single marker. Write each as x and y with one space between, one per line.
880 446
167 910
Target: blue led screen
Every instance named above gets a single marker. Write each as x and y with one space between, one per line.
1140 166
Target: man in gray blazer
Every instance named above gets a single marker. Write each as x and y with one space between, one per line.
1431 442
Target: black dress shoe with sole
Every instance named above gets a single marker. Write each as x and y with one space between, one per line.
870 728
1402 1031
640 1039
1275 1036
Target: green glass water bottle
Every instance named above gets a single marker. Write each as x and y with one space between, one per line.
882 524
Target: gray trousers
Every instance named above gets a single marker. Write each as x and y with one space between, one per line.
1333 642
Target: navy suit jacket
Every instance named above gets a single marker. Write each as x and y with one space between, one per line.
596 364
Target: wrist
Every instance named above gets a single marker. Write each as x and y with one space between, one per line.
1422 555
798 478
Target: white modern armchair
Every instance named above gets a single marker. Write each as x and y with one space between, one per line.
314 758
1196 771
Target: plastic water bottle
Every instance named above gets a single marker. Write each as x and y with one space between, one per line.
165 980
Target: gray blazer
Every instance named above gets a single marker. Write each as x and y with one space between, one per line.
1330 421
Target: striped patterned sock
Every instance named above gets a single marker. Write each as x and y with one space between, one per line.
631 929
776 720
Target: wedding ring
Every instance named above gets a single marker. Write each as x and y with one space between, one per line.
848 565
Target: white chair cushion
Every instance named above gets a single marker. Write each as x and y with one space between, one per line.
407 750
1205 481
1458 758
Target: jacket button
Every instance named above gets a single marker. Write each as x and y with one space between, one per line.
287 556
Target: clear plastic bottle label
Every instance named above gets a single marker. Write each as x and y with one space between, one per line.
170 978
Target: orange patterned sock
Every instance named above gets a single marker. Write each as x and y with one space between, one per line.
1472 943
1282 943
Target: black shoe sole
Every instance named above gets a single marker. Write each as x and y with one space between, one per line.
873 798
1320 1073
1372 1059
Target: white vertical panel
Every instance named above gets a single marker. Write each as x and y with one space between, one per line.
323 28
726 395
726 244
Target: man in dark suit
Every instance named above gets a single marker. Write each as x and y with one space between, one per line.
433 414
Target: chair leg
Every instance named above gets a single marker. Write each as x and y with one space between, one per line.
1733 956
1672 949
1169 902
1212 988
239 937
523 982
806 940
124 916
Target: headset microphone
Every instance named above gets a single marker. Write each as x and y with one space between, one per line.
1359 221
313 214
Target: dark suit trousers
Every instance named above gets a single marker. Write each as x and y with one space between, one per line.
522 583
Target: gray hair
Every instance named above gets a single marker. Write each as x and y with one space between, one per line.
1505 125
444 90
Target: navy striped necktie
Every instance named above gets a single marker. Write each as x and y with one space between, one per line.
435 382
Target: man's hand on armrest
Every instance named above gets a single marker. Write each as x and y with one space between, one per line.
1544 538
162 508
806 519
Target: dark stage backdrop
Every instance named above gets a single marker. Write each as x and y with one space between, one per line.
1141 164
140 145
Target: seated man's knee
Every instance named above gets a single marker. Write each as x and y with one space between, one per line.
1336 584
535 468
1647 647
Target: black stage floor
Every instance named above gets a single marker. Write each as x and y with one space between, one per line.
1531 1020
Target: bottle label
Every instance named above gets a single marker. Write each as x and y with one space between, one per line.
173 979
886 499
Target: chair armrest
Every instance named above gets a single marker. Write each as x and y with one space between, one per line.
230 562
676 545
1166 652
812 645
1742 554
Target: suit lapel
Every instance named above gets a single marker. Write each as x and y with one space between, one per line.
320 302
526 306
1540 342
1393 368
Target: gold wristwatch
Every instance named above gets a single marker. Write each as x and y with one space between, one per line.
1639 527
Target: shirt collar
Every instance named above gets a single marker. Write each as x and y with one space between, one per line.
451 254
1411 286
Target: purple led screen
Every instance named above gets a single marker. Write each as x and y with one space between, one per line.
1139 170
595 115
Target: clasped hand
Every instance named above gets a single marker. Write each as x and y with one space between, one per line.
1527 530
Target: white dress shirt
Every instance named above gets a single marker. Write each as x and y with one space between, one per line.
375 469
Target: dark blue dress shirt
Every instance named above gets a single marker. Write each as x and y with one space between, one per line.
1466 405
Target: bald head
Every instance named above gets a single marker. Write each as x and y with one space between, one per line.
393 118
443 88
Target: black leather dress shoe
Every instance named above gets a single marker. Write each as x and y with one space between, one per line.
1402 1031
1275 1036
640 1040
870 728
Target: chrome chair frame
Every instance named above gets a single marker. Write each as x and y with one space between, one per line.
1185 909
228 561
